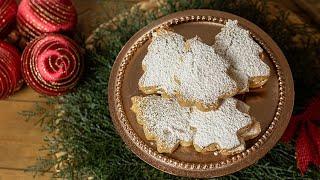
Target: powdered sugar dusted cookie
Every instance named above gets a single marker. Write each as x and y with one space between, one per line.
164 121
224 129
191 71
170 124
236 45
160 63
241 80
203 76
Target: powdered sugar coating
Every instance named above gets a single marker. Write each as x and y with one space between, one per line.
236 45
219 127
161 61
241 80
190 70
203 74
164 121
171 124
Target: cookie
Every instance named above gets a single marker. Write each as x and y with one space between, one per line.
164 121
241 80
237 46
161 62
170 124
225 129
190 71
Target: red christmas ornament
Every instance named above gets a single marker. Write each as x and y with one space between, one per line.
52 64
10 73
8 11
307 127
36 17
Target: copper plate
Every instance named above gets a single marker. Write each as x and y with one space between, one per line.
271 105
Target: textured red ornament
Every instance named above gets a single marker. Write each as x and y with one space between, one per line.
52 64
306 126
10 73
36 17
8 11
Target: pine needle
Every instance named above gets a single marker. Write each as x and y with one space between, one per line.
85 131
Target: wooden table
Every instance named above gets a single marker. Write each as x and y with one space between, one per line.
21 140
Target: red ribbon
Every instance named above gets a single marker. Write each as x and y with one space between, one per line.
306 126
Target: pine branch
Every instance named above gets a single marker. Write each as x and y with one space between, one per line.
81 125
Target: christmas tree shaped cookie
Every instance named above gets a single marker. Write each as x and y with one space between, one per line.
236 45
190 71
170 124
224 129
164 121
162 60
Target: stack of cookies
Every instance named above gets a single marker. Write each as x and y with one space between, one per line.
189 89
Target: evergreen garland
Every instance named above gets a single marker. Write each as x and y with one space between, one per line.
82 141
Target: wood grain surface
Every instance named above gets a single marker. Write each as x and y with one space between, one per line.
21 140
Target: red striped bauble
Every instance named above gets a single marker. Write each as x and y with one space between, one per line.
36 17
10 70
8 11
52 64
